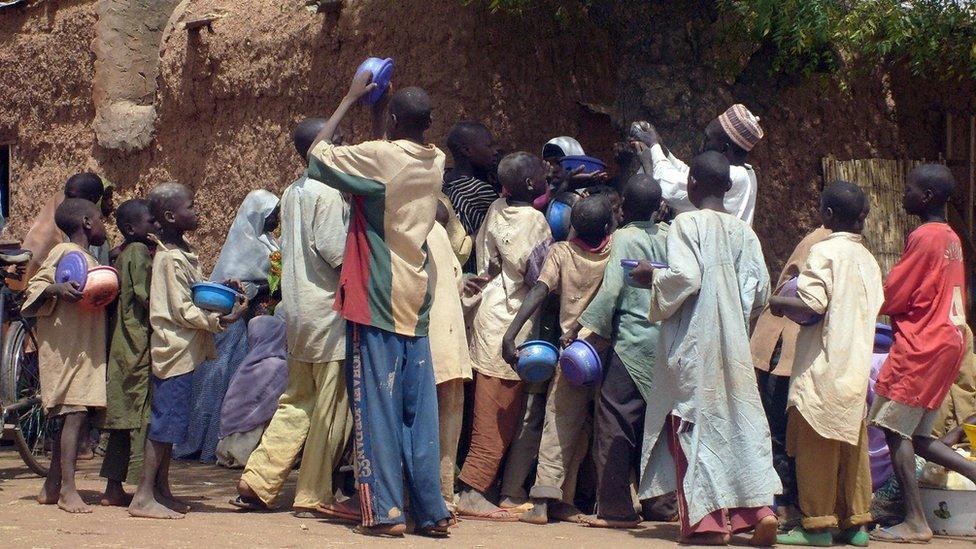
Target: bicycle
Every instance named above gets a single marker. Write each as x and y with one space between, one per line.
24 420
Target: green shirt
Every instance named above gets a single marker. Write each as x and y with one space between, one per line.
619 312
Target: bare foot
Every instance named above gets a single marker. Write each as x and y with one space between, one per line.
706 539
902 533
764 535
594 521
473 504
382 530
565 512
71 502
538 514
115 496
515 505
172 502
150 508
245 490
49 494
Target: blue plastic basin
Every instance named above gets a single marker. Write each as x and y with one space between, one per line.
558 215
536 361
581 363
884 336
382 71
213 297
589 164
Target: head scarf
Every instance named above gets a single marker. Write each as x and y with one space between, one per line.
559 147
247 250
741 126
253 392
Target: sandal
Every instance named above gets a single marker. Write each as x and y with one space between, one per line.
245 503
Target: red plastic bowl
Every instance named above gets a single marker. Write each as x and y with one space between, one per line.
101 288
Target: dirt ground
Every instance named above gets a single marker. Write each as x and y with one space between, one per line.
213 523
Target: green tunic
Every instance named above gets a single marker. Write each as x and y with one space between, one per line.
619 312
127 386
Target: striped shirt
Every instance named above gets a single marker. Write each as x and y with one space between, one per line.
384 281
471 198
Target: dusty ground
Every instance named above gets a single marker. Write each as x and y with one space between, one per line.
213 523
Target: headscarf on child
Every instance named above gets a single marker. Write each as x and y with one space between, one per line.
559 147
252 396
247 250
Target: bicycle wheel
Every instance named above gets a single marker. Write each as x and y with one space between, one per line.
21 380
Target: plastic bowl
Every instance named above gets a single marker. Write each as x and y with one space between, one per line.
581 363
382 71
629 265
883 338
536 361
949 512
589 164
558 216
789 290
72 267
101 288
213 297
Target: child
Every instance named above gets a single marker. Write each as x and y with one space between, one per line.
182 338
466 185
826 431
618 313
924 296
705 387
574 270
448 347
71 353
511 230
613 195
127 386
384 295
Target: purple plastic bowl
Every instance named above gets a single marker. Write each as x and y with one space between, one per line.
581 363
884 336
536 361
789 290
73 267
629 265
590 164
382 71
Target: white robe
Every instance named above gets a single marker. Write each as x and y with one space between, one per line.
715 283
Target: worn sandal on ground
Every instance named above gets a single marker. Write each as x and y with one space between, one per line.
592 521
338 512
249 504
434 531
382 530
500 515
799 536
857 537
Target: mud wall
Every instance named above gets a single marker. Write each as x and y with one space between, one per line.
228 96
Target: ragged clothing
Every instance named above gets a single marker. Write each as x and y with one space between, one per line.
448 339
715 284
842 281
71 340
575 274
509 234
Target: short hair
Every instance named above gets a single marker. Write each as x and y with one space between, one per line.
163 197
516 167
642 195
591 216
130 211
412 108
305 133
845 199
71 214
604 190
85 185
462 134
711 169
936 178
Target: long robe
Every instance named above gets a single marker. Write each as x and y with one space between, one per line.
715 284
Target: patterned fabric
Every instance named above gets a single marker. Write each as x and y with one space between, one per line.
741 126
471 198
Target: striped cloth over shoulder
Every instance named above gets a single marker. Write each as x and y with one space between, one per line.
471 198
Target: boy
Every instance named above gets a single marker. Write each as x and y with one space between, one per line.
511 230
127 385
313 413
705 387
925 298
733 134
466 185
574 270
182 338
826 432
448 346
384 295
71 353
618 314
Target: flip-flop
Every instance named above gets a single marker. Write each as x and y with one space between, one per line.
594 522
433 531
333 513
886 535
500 515
249 504
371 531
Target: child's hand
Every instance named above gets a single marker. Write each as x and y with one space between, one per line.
643 274
240 306
474 285
643 132
570 336
509 351
65 291
361 85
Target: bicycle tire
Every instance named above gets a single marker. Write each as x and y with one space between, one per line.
20 381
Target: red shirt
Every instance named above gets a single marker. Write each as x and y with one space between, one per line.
924 297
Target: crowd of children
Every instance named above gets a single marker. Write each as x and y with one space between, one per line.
406 292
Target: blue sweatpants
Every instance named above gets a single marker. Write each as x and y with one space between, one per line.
390 379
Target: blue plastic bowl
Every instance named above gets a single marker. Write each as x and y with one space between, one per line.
884 336
581 363
789 290
629 265
72 267
558 215
590 164
213 297
382 71
536 361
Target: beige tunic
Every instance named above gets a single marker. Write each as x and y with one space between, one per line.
575 274
182 335
448 341
71 340
842 281
508 234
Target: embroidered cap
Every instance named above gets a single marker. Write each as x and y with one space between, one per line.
741 126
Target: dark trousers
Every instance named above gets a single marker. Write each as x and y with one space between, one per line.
619 435
774 391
